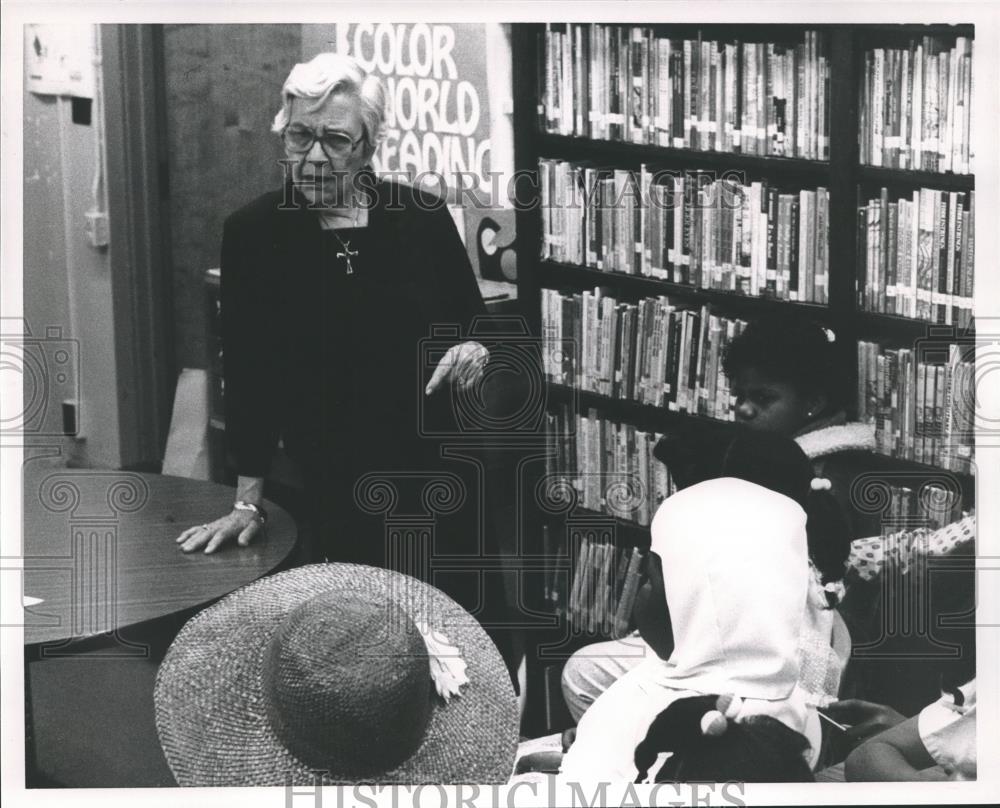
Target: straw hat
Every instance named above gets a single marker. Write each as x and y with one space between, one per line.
335 674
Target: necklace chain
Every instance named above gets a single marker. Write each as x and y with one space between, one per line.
348 253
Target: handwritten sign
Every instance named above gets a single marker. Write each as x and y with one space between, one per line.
436 79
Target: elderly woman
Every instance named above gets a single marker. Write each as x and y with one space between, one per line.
328 287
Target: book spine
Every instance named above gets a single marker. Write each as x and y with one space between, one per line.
862 258
891 258
921 438
630 588
864 112
917 115
878 96
892 392
929 141
824 108
822 246
811 95
705 98
945 107
880 409
579 573
903 230
906 112
955 204
770 111
739 79
686 258
745 242
672 360
891 144
751 100
636 89
967 129
680 60
771 276
758 237
762 100
861 398
940 284
664 90
939 406
810 249
882 240
717 123
793 250
688 92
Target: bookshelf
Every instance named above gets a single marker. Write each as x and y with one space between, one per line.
843 52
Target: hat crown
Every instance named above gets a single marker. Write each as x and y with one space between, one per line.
346 683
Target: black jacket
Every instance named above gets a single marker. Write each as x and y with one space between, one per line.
335 363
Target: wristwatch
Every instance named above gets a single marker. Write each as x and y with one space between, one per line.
243 505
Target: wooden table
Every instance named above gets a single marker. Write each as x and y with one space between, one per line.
114 586
100 553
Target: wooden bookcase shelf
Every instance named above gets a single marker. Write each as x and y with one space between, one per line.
892 328
848 181
661 419
555 274
641 415
890 177
629 155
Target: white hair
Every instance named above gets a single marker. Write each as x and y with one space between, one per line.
330 73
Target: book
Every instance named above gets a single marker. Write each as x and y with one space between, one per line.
630 587
920 409
619 82
915 105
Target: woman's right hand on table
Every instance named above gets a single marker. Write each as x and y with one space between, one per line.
243 526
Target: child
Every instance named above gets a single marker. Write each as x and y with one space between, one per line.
729 571
706 746
788 378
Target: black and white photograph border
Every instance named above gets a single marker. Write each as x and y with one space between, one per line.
42 409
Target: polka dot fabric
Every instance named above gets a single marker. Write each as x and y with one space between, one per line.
870 557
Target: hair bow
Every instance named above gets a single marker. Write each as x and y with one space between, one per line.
715 722
820 484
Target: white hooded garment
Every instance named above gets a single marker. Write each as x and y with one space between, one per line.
736 574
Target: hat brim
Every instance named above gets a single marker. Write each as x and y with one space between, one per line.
210 709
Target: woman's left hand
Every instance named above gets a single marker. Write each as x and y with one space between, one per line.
462 365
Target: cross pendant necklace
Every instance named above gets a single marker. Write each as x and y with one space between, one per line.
347 254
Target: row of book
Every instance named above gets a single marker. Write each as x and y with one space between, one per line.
916 106
922 411
609 465
614 82
918 255
692 227
651 352
596 584
931 506
597 592
605 584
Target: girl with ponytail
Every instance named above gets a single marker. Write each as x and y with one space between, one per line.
706 743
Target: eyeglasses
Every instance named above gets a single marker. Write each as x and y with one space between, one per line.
300 139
